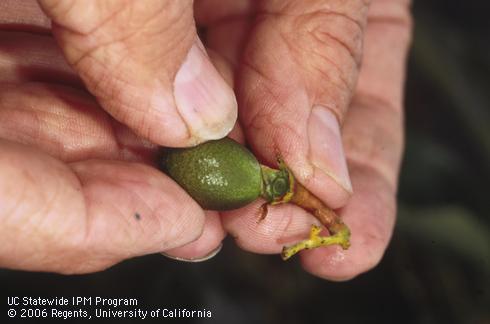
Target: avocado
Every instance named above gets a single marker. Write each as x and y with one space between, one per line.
220 174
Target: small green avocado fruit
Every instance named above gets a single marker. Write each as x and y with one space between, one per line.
219 175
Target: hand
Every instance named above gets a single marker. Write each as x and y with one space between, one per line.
76 191
296 82
295 58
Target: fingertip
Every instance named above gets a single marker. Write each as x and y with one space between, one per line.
203 98
195 259
333 263
161 83
370 215
205 104
206 246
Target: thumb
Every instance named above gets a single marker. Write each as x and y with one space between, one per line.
300 70
146 66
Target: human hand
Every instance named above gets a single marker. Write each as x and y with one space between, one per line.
76 191
273 81
296 81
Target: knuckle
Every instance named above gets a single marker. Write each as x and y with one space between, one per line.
327 44
334 43
329 29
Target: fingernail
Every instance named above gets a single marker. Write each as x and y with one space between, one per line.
205 101
200 259
327 153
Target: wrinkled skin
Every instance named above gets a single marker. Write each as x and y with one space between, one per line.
75 164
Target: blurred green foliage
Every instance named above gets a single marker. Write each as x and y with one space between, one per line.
437 268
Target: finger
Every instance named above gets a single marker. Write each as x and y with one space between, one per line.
283 224
206 246
66 123
298 57
86 216
23 15
146 66
370 215
298 73
225 24
374 140
29 57
149 210
225 68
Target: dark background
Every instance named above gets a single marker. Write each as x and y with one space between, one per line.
437 268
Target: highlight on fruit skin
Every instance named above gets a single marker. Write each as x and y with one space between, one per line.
219 175
224 175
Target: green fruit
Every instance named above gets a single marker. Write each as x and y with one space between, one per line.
219 175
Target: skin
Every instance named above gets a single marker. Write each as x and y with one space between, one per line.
78 132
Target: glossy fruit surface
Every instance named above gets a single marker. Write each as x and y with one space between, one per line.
219 175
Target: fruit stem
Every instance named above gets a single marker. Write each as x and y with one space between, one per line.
279 186
309 202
